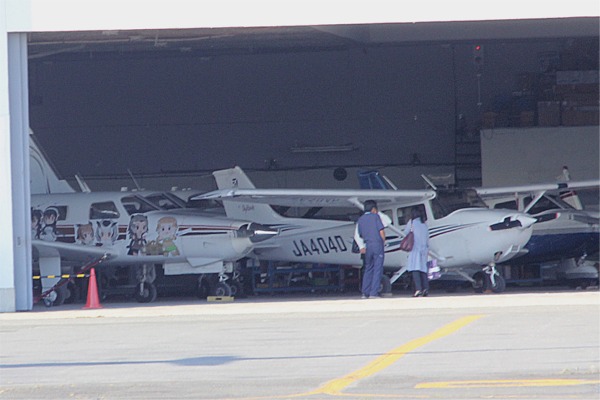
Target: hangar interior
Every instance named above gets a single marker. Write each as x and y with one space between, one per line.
286 103
305 106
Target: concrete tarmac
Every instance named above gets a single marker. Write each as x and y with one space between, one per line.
540 345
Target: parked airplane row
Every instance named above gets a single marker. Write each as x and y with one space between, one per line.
143 229
463 231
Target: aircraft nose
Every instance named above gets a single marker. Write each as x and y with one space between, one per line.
256 232
526 221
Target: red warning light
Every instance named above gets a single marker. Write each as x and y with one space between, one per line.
478 55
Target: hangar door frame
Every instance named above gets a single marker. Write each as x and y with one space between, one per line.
19 17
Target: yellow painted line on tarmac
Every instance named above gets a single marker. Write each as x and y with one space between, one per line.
506 383
335 386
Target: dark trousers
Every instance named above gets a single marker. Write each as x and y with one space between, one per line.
373 272
420 280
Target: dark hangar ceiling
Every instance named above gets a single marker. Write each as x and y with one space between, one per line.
273 39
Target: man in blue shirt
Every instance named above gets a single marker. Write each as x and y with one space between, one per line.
371 230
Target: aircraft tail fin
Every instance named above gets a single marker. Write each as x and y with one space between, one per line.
236 178
374 180
44 178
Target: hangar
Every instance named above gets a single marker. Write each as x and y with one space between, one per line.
172 91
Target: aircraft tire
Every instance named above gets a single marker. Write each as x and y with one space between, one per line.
237 289
500 284
147 294
480 284
221 289
50 298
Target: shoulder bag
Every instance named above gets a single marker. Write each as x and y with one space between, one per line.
408 241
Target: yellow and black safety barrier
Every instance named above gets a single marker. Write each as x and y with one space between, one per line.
65 276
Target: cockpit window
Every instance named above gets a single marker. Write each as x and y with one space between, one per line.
507 205
104 210
166 201
448 201
137 205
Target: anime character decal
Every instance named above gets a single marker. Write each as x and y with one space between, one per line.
164 244
138 228
85 234
36 223
107 232
48 224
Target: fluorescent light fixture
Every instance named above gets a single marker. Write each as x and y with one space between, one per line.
323 149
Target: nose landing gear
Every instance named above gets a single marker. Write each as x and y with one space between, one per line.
489 279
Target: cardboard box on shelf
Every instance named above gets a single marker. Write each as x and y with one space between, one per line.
548 113
527 118
579 115
488 120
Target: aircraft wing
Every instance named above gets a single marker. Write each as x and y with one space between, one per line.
544 187
70 251
79 253
318 197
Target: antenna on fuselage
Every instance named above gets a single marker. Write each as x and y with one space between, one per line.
134 180
428 181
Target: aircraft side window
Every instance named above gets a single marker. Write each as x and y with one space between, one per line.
437 209
507 205
405 212
62 212
401 212
389 213
104 210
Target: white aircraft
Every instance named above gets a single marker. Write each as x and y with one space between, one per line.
463 231
127 229
561 233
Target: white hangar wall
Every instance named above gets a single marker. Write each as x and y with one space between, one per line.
536 155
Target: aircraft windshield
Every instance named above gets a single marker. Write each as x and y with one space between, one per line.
165 201
137 204
448 201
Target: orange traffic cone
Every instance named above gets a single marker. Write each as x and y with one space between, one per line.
92 296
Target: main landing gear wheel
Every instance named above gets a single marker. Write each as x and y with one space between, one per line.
57 296
222 289
236 289
145 292
479 284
